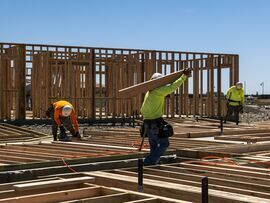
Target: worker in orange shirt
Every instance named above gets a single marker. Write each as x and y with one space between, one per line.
63 116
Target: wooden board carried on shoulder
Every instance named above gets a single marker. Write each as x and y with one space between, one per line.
143 87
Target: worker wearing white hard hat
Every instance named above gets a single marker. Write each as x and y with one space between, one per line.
239 85
156 76
63 116
235 101
157 130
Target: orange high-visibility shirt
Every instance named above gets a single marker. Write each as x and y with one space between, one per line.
58 106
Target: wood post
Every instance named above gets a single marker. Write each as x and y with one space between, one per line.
93 78
205 190
236 68
140 175
20 72
219 87
1 87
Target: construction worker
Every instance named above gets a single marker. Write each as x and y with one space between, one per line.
235 101
63 115
152 111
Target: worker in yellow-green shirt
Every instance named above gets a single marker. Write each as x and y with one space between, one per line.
235 101
152 111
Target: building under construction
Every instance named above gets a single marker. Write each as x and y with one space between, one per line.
207 161
90 78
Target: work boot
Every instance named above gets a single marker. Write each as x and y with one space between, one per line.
55 137
62 130
64 139
77 136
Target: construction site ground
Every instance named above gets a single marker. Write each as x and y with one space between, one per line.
102 167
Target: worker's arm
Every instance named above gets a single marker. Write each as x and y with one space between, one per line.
56 117
228 93
168 89
74 120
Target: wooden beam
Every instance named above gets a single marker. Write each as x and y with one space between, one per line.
93 89
52 183
113 198
159 198
1 87
59 196
149 85
212 180
172 190
236 68
20 72
163 176
219 87
103 146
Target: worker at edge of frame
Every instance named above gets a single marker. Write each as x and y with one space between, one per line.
235 97
63 116
152 112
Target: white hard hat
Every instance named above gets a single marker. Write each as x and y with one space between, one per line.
66 111
156 76
239 83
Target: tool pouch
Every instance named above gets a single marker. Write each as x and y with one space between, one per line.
165 130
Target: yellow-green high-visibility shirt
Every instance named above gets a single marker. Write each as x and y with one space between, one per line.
152 107
235 96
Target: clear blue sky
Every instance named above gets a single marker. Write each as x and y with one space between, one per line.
230 26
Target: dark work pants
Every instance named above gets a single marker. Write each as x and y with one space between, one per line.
233 110
66 122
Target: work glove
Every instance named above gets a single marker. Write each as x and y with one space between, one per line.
187 72
77 134
241 109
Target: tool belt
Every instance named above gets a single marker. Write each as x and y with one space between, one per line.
230 100
165 129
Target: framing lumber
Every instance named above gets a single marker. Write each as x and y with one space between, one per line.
168 189
59 196
101 73
52 183
235 188
12 134
79 190
149 85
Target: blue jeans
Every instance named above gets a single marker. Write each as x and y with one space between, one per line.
158 145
